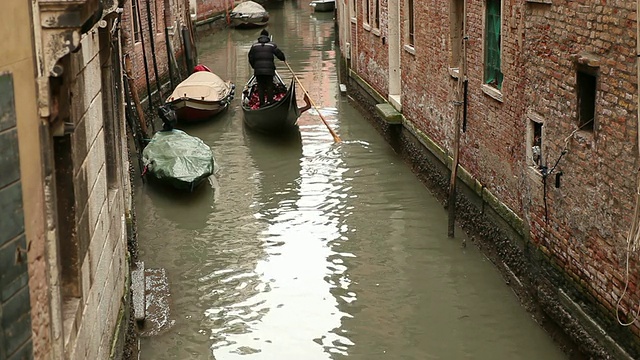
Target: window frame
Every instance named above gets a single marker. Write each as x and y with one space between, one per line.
457 23
587 72
494 82
376 14
366 9
135 19
410 27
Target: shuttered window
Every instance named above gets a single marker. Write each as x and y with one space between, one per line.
492 70
411 29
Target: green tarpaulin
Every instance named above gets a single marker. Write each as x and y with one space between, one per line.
178 159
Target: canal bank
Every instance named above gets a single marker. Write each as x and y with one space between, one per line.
315 250
550 296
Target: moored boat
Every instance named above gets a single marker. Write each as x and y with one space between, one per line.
249 14
177 159
201 96
323 5
275 117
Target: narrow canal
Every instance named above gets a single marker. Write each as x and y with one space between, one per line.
307 249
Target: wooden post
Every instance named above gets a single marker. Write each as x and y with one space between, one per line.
134 95
152 42
459 104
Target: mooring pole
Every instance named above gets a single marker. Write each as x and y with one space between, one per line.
459 106
152 42
146 66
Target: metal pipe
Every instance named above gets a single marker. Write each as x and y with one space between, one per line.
187 49
146 67
152 39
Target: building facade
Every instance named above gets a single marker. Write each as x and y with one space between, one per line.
548 148
158 42
207 10
65 185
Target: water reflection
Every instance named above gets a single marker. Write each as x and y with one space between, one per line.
316 250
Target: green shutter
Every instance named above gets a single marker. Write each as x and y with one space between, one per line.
492 71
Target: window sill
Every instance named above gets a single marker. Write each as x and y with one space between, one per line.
540 1
493 92
410 49
375 32
354 20
366 26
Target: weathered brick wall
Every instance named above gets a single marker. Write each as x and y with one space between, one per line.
492 147
370 55
176 15
590 214
15 316
211 8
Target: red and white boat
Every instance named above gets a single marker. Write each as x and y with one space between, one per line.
201 96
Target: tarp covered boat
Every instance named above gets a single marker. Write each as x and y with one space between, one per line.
278 116
201 96
249 14
178 159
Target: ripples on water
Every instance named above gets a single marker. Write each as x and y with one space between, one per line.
308 249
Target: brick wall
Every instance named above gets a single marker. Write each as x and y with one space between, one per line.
581 231
590 214
15 316
372 58
176 13
210 8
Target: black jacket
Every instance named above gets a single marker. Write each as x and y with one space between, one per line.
261 56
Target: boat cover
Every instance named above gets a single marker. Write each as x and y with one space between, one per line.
178 158
249 7
202 85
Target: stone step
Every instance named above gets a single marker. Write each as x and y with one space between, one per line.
138 292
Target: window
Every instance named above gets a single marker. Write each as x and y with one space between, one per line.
457 31
410 24
136 20
352 8
376 14
367 12
586 87
535 143
493 23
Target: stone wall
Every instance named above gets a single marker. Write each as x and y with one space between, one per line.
91 203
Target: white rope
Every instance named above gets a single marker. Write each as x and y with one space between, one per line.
633 237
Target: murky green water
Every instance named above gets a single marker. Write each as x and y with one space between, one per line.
307 249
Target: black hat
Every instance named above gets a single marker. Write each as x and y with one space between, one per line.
264 32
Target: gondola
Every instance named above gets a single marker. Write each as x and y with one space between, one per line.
281 115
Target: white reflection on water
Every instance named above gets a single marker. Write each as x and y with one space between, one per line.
294 313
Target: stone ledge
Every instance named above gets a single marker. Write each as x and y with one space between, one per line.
138 285
389 114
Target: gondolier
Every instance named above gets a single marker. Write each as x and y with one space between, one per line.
261 58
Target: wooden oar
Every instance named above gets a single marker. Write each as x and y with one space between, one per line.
336 138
